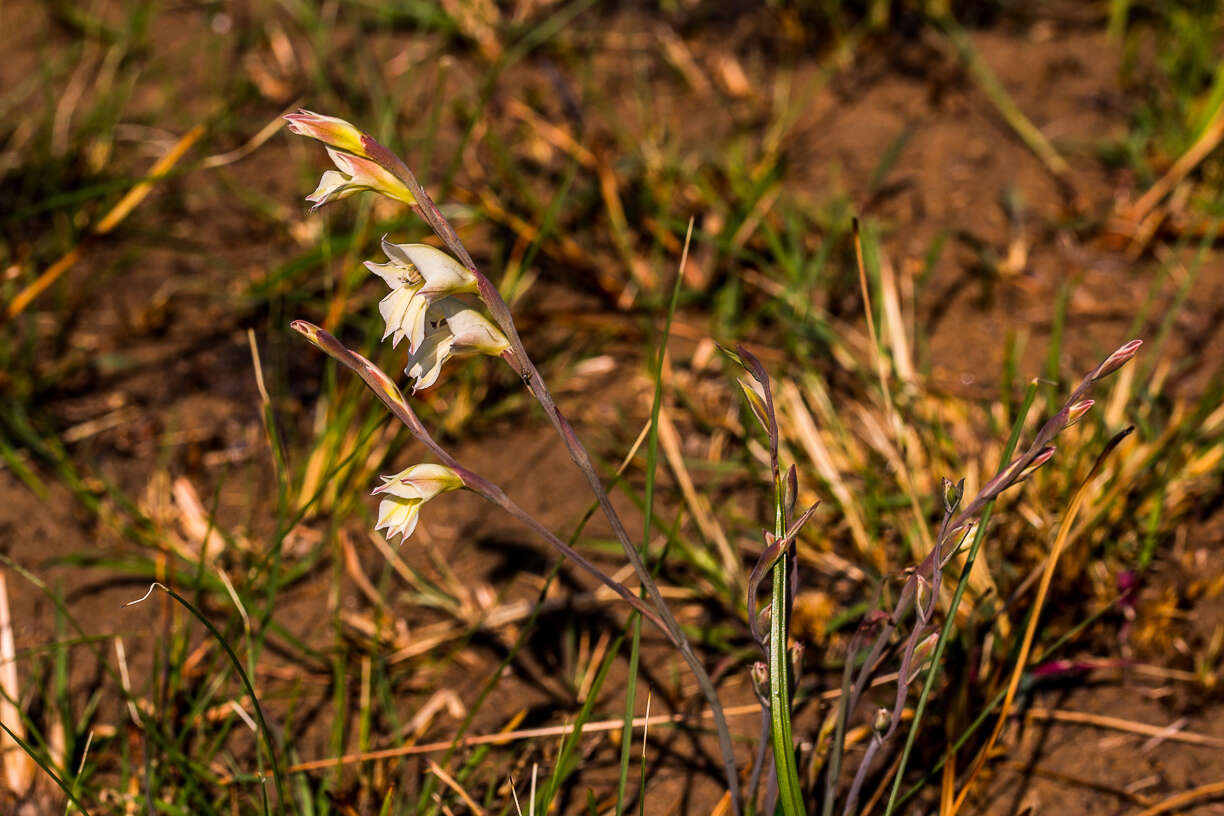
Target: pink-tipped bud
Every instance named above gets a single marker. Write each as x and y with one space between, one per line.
881 720
307 329
1076 412
1116 360
1046 454
329 130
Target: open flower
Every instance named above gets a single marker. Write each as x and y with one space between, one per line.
458 329
405 492
355 175
418 275
329 130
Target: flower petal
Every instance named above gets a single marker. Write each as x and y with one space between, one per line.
473 332
333 186
423 482
412 323
395 252
443 274
425 364
393 308
392 273
398 517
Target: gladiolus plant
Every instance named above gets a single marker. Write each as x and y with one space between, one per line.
443 307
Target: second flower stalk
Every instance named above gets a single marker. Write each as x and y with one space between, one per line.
428 305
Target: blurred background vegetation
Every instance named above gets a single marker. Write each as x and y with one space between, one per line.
1037 183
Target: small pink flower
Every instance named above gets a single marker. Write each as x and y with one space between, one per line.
1116 360
1076 412
1043 456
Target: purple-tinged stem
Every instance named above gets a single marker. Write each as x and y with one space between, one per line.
428 210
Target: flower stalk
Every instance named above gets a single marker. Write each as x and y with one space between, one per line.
759 395
516 354
1039 452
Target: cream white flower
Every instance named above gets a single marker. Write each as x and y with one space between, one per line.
418 275
405 492
355 175
458 329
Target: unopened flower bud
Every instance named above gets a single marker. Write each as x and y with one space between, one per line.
922 654
790 493
329 130
307 329
881 720
952 494
760 675
1116 360
1044 456
1076 412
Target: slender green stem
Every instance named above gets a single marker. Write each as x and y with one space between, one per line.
46 768
652 459
790 797
264 730
493 301
790 791
622 781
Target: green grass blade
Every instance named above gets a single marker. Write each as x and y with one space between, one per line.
264 730
46 767
652 465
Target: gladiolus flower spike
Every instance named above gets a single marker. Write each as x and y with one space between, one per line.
405 492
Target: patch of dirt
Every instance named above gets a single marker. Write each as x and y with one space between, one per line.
1110 762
